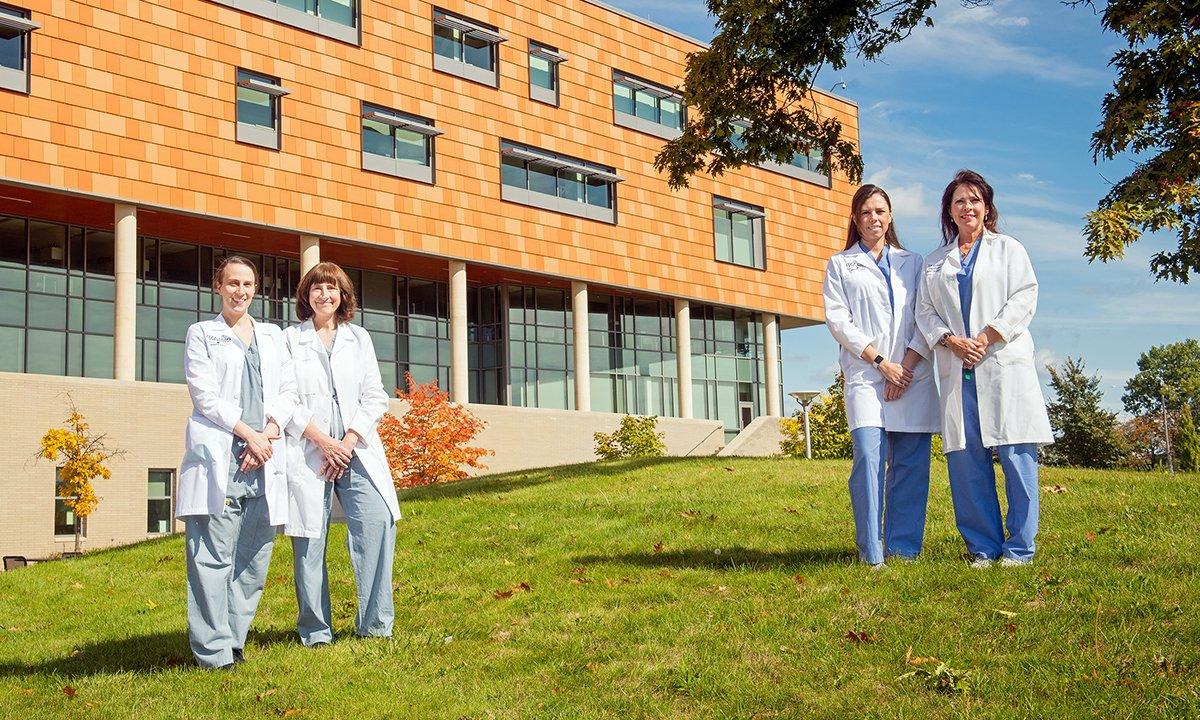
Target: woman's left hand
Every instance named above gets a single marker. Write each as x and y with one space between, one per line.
892 391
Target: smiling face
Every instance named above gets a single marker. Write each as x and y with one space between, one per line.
236 288
324 298
968 211
873 219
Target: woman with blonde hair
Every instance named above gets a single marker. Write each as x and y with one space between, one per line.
335 448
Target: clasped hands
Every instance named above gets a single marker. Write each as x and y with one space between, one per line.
897 376
258 446
969 350
337 455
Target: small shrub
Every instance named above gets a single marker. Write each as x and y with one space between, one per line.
792 429
636 438
429 444
83 455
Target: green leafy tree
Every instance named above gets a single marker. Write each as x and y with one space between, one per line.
1187 441
1085 435
827 423
1167 374
752 100
1153 111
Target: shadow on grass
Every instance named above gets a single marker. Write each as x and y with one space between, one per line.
151 653
735 558
519 479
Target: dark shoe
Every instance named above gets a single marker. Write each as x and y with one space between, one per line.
239 656
320 643
226 667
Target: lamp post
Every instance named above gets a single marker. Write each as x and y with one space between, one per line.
805 398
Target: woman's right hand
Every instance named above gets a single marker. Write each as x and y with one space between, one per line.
258 449
895 373
337 457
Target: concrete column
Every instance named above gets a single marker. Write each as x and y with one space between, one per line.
771 348
683 356
459 382
125 305
310 252
583 358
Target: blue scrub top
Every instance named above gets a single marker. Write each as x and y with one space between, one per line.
253 414
884 263
965 289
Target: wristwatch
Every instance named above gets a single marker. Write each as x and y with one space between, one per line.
877 361
943 338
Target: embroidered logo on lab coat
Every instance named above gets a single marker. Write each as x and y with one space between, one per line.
219 340
855 265
936 267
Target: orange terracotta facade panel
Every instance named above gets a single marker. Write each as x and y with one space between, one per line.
135 101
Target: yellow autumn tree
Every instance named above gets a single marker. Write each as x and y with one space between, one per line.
82 455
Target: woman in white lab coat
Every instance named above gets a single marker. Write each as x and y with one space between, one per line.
978 296
891 402
232 481
334 447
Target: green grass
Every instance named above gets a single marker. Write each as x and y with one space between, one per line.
751 607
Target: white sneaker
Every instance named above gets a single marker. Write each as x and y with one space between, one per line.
980 563
1007 562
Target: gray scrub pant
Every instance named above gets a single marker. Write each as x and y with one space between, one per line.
227 560
371 540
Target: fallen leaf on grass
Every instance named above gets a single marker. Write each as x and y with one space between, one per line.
151 604
166 558
859 636
658 547
911 659
1010 627
290 712
1005 613
1055 489
76 585
502 594
578 570
1089 536
69 691
689 514
792 510
799 579
506 594
23 691
266 694
581 581
728 469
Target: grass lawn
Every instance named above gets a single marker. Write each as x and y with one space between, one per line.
689 588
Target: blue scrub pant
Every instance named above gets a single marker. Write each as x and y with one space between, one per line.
227 560
889 489
973 490
371 540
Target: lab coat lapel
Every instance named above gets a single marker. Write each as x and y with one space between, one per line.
950 267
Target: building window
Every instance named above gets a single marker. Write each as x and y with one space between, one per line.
543 72
485 348
802 166
64 517
738 229
466 48
337 19
258 109
160 486
647 107
397 144
56 299
632 355
540 348
558 182
174 291
728 369
15 28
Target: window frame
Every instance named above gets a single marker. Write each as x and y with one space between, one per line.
373 162
18 21
793 171
58 537
757 216
559 163
468 28
270 86
172 491
549 53
646 125
273 10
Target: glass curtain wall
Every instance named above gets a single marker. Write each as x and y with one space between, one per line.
56 299
728 369
485 344
540 348
632 352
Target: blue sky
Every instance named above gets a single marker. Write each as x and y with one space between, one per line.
1012 90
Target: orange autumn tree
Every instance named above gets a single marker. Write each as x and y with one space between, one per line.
429 444
83 455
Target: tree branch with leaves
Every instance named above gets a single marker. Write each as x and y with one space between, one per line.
83 455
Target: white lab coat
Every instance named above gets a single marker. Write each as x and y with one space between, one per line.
1004 296
362 401
858 313
213 364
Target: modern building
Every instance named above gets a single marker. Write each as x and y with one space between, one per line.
486 171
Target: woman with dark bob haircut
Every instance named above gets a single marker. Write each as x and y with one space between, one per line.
891 402
978 296
335 448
